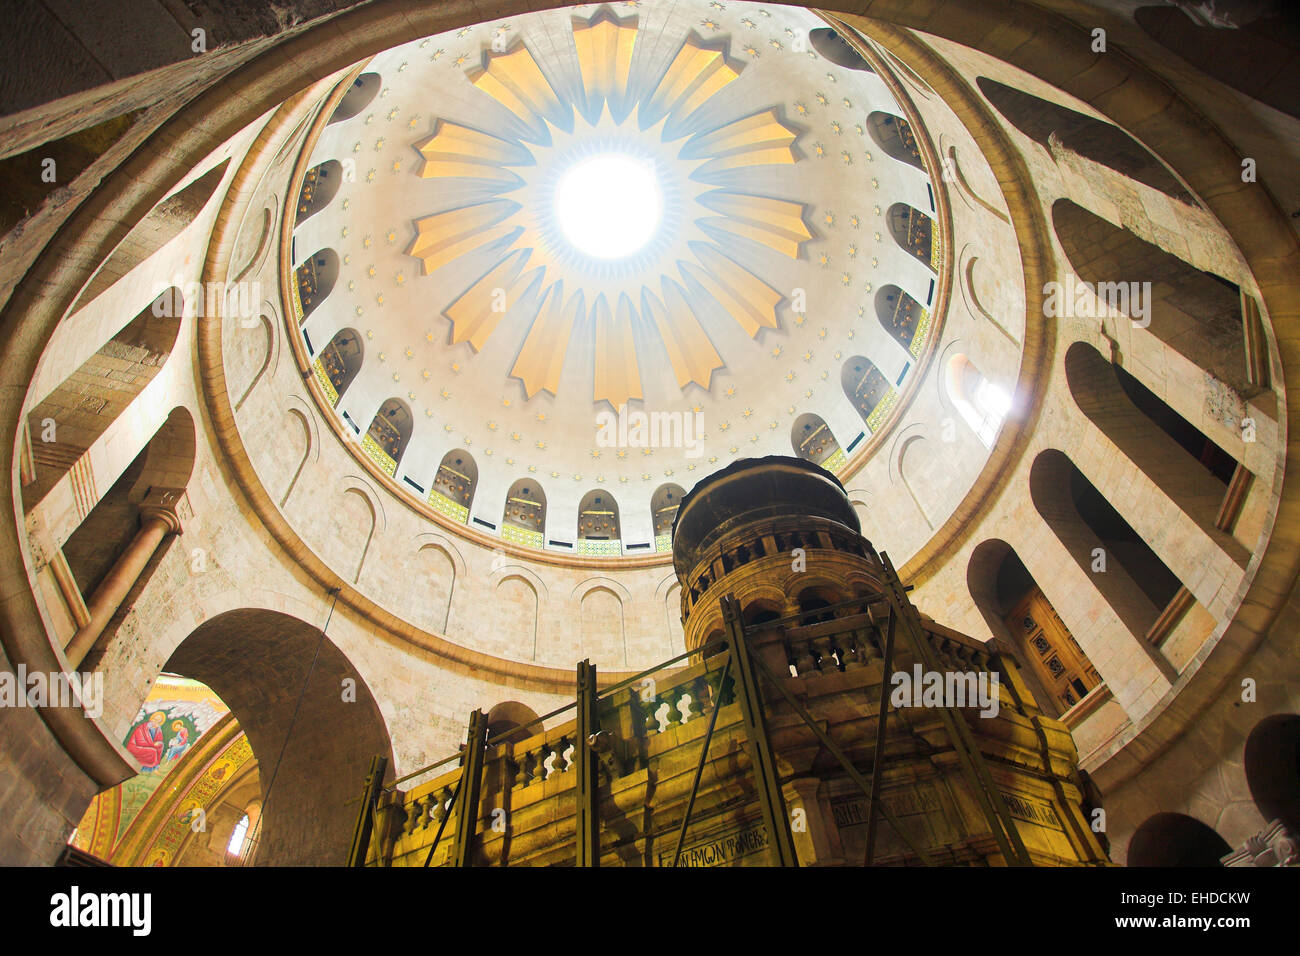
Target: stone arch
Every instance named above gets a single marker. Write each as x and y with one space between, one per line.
339 362
262 248
600 581
307 443
1175 839
365 517
914 457
762 606
867 389
1195 313
1249 57
1136 583
964 185
525 511
811 439
599 530
359 95
1186 465
319 187
830 44
75 415
914 233
1272 765
602 616
1056 668
971 292
436 600
169 455
909 74
1054 127
457 478
520 603
894 136
814 600
267 341
286 683
164 223
389 433
509 716
663 509
314 280
902 317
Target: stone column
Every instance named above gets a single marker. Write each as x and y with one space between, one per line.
158 518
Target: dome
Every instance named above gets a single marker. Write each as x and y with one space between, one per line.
602 251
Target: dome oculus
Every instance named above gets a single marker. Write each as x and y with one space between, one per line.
609 206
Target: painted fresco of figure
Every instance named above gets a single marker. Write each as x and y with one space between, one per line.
146 741
180 740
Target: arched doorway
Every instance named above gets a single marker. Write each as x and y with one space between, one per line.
309 717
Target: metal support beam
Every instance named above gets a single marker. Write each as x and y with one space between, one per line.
588 822
833 749
699 767
968 753
763 760
471 780
878 758
366 816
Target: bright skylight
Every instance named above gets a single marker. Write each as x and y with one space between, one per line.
609 206
236 845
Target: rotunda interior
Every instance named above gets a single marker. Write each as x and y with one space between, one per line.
358 363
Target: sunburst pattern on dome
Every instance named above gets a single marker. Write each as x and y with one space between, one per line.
702 209
513 233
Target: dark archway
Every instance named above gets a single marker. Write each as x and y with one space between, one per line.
314 281
359 95
811 439
868 389
69 420
598 517
1050 124
525 512
319 187
1196 313
1272 765
894 136
313 729
1023 622
164 223
913 230
1175 839
1135 583
1257 57
835 48
457 478
900 315
663 507
389 434
1171 451
515 720
340 361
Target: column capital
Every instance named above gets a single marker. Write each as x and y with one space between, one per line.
167 504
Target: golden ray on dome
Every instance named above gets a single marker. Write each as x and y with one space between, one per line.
610 300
